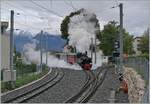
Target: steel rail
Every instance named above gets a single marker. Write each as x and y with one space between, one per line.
84 87
35 92
100 79
44 88
89 87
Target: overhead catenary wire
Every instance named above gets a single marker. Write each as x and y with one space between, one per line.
39 5
14 13
29 26
24 12
50 11
72 6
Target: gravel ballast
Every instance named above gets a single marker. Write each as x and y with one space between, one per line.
71 83
103 93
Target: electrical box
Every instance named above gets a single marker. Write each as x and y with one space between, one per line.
7 75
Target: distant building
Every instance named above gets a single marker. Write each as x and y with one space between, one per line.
136 45
5 46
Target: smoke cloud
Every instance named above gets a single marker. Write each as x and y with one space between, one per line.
81 30
32 55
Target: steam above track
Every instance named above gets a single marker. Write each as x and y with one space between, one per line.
82 28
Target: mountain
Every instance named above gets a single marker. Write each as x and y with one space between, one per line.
21 39
55 42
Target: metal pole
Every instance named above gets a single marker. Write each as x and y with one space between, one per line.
41 51
121 37
11 45
46 49
92 48
95 49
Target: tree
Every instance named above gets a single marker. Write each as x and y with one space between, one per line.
109 34
65 22
107 37
127 43
144 42
64 27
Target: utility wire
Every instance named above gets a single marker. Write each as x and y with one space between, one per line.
24 12
50 11
15 13
71 5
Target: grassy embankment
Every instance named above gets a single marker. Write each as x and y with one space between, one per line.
20 81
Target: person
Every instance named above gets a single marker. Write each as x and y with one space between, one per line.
123 84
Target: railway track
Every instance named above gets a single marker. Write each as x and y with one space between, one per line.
35 92
89 88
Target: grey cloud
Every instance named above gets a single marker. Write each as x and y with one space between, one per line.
136 12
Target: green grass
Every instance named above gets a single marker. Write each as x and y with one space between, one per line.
5 86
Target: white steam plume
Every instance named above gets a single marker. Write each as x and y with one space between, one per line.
81 30
32 55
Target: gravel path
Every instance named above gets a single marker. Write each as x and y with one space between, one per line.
110 83
71 83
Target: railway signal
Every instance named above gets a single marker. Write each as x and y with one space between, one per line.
116 48
116 45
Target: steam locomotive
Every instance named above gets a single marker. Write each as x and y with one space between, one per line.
77 58
84 61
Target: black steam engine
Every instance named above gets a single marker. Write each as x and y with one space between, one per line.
84 61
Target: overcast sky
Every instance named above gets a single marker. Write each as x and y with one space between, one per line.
34 18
